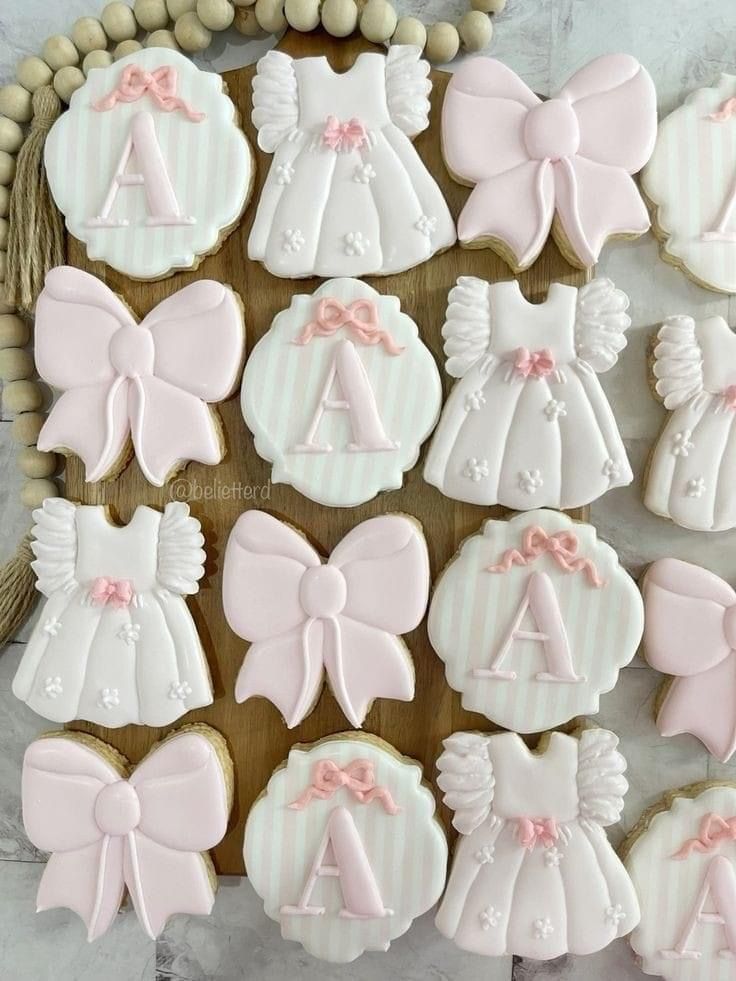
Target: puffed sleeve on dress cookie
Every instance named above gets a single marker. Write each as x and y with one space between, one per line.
600 323
54 545
466 779
407 88
275 100
467 328
600 777
678 366
180 553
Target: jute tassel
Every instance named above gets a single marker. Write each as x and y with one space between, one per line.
36 239
17 590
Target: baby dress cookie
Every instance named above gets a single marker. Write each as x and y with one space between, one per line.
305 618
127 387
533 873
347 194
690 634
115 643
682 860
112 828
534 618
563 165
148 165
341 393
344 848
528 398
691 184
691 477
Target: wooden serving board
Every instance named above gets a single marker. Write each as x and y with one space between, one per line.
255 732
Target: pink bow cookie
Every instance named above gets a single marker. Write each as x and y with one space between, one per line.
304 618
149 382
572 155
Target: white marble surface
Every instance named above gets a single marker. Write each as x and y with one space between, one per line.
683 45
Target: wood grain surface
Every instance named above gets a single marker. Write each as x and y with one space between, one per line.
258 739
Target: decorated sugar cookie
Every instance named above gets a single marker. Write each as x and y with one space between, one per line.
347 194
691 473
682 860
344 848
691 183
534 619
149 166
341 393
528 397
112 829
148 387
115 643
533 873
563 165
305 618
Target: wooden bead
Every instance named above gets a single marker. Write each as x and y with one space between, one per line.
216 15
14 331
443 42
26 427
152 15
22 396
119 21
244 3
59 51
302 15
34 493
126 48
162 39
15 103
246 22
67 81
409 30
33 72
3 266
11 135
488 6
378 21
270 14
191 33
15 363
178 7
475 30
96 59
3 232
88 35
7 168
4 201
339 17
33 462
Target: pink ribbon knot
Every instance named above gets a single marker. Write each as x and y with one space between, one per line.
359 317
725 111
729 394
358 777
344 136
534 364
562 547
116 592
713 830
532 831
160 84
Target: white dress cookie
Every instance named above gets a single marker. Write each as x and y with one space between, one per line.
344 847
528 397
534 618
347 194
115 643
149 166
340 394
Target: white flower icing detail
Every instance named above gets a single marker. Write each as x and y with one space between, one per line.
355 244
52 626
681 444
284 173
363 174
109 698
489 917
552 857
130 633
293 240
52 687
554 409
180 690
695 487
530 481
611 469
614 914
484 855
543 928
426 225
474 400
476 469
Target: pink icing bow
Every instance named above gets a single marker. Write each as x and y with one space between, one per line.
534 830
116 592
304 618
358 777
360 317
160 84
150 381
106 833
344 136
537 364
729 397
713 830
573 154
562 546
725 111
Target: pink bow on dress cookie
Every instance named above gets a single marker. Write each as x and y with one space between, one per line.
344 136
106 833
304 618
151 382
573 154
116 592
533 831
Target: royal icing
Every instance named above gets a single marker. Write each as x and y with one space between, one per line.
148 164
533 619
533 872
564 164
691 182
115 643
347 194
150 383
528 397
344 847
682 866
341 393
305 618
692 470
110 830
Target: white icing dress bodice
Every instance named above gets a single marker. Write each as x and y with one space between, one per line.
518 323
539 784
358 92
